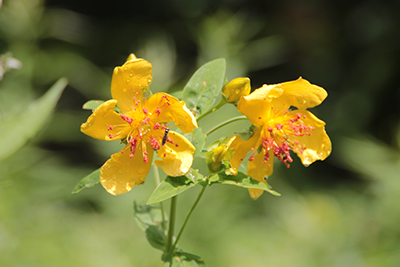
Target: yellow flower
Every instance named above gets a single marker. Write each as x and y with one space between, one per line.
142 125
282 124
235 89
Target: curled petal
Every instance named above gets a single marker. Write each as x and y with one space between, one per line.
171 109
302 94
120 173
258 169
257 105
177 157
128 82
241 148
105 123
316 146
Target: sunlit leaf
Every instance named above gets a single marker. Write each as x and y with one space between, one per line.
89 181
17 129
173 186
241 180
92 104
204 86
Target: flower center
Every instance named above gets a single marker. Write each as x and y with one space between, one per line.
280 135
143 127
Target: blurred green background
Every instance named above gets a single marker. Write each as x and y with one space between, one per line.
344 211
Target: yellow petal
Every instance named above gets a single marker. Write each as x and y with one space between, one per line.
318 145
120 173
176 158
128 81
236 88
257 106
172 110
258 170
104 116
302 94
241 148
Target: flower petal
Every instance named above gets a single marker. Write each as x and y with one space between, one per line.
120 173
317 146
302 94
257 105
105 123
257 169
177 158
241 148
128 81
171 109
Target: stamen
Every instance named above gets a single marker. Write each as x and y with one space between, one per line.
154 143
156 126
126 118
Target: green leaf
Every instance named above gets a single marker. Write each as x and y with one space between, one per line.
204 86
156 237
17 129
173 186
92 104
150 219
89 181
198 139
183 259
242 180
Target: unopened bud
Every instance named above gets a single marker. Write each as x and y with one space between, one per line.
131 57
235 89
220 153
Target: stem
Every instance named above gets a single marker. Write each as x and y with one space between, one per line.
157 177
223 102
188 216
172 214
216 127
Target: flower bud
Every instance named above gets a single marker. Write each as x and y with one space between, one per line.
235 89
131 57
219 154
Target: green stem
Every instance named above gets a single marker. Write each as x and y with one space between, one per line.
158 181
216 127
223 102
172 216
188 216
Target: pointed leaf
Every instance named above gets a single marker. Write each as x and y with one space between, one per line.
92 104
173 186
204 86
89 181
17 129
242 180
